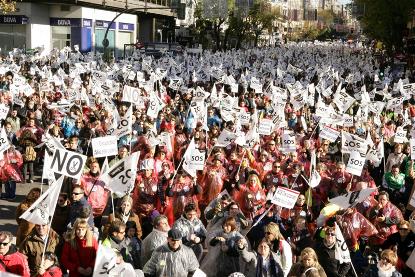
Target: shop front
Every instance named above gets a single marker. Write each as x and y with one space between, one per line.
70 32
12 32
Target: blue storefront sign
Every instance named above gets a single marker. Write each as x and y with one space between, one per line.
81 32
104 24
13 19
125 27
71 22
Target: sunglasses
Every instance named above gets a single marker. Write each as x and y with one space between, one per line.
403 229
77 193
330 234
4 243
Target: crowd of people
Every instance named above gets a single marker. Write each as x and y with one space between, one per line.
241 109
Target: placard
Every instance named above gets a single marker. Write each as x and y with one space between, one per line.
68 163
265 127
329 134
400 135
356 163
197 159
285 197
104 146
288 143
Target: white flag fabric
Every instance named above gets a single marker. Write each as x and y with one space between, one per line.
41 212
411 261
329 134
352 198
125 125
342 253
120 178
343 100
47 173
356 163
353 143
315 179
187 158
4 142
105 261
225 138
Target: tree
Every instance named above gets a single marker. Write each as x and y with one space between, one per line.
261 17
7 6
386 20
326 17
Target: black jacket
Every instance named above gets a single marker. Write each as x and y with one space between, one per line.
326 258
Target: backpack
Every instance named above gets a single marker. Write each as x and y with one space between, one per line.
29 154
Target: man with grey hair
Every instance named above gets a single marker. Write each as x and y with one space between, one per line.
11 260
156 238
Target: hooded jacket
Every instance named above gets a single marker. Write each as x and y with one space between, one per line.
15 262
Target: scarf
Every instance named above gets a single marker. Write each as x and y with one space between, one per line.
388 273
270 266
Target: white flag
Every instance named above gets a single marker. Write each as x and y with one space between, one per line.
4 141
120 177
353 143
225 138
187 158
315 179
41 212
352 198
105 261
342 253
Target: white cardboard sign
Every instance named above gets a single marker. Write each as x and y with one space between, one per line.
329 134
104 146
285 197
4 142
356 163
68 163
288 143
265 127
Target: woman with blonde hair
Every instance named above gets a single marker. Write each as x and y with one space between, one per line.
79 250
385 266
251 197
279 246
308 265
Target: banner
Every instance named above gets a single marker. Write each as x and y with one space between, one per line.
68 163
285 197
341 253
41 212
353 143
356 163
329 134
288 143
104 146
352 198
120 177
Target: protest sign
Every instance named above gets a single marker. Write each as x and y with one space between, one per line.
400 135
329 134
244 118
131 94
356 163
104 146
68 163
265 127
348 120
4 110
288 143
315 179
285 197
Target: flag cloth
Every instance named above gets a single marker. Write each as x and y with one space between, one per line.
41 212
341 253
105 261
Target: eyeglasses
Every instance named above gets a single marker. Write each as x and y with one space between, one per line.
77 193
4 243
330 234
403 229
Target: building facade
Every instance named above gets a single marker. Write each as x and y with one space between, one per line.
51 25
